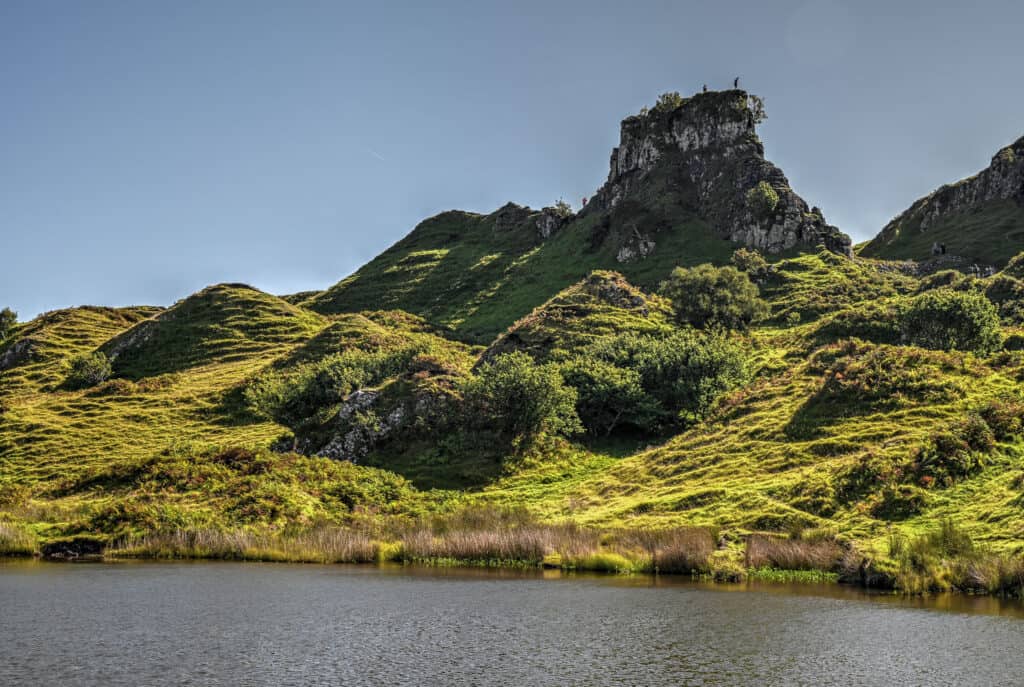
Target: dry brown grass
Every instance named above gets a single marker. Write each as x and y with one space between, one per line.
792 554
319 545
16 540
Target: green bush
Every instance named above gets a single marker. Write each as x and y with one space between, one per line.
1004 416
683 374
956 453
706 296
8 318
749 261
762 199
307 394
668 102
608 396
952 320
88 369
521 400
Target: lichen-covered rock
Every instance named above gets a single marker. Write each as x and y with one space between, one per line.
366 419
708 147
17 353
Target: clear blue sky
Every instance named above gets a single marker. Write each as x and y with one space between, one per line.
148 149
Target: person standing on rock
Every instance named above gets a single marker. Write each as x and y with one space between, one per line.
705 88
736 82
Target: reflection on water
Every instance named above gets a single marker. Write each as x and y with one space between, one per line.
276 624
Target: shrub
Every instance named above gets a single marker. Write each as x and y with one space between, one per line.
8 318
562 209
668 102
749 261
1015 268
521 400
955 453
308 393
683 373
952 320
706 296
88 369
1004 416
607 395
898 501
762 199
755 104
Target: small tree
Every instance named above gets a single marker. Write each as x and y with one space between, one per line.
682 374
749 261
562 209
89 369
762 199
521 400
607 395
952 320
8 318
706 295
668 101
756 105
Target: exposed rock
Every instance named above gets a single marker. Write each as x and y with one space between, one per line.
365 421
136 336
709 148
550 221
71 549
1002 180
17 353
510 216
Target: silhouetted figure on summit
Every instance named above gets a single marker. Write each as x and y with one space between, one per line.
705 88
736 82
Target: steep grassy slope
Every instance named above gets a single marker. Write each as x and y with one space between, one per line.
989 234
462 272
979 219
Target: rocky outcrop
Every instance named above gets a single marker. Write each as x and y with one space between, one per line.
547 221
707 150
367 419
1002 180
17 353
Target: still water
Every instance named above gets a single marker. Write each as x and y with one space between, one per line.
275 624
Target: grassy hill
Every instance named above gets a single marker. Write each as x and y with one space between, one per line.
461 272
828 437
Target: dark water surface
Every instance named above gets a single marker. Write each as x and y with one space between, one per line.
275 624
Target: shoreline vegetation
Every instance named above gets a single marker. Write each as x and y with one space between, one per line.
943 560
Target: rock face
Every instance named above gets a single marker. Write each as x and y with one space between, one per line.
1002 180
366 419
547 221
708 149
17 353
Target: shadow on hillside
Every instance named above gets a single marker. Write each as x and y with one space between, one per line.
820 412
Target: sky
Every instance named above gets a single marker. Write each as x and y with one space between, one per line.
149 149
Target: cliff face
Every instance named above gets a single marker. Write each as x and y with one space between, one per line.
707 149
980 218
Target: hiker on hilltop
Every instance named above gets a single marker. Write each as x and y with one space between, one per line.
736 82
705 88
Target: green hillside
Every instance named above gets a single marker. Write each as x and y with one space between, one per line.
458 271
979 219
520 389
